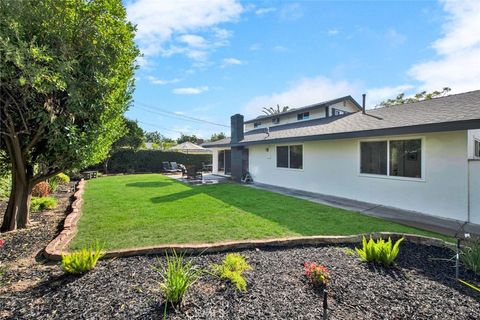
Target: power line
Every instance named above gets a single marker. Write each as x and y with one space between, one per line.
160 127
164 112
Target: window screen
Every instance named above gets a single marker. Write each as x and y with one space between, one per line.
282 157
290 157
296 157
406 158
373 157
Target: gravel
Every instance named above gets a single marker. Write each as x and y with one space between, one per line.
419 286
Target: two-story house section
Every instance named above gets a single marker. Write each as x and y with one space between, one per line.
331 108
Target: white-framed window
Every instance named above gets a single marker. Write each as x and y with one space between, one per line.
257 124
290 156
276 120
337 112
392 158
303 116
477 148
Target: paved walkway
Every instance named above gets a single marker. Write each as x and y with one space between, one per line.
448 227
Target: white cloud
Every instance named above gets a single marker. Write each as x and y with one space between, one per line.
255 47
231 61
280 48
193 40
161 82
332 32
291 12
304 92
264 11
161 22
395 38
377 95
458 62
190 90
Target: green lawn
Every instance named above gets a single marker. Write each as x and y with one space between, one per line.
150 209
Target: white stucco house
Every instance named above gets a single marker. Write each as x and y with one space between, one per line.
422 157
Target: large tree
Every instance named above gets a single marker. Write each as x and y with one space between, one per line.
218 136
424 95
184 138
66 72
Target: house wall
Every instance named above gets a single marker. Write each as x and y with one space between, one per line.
474 169
333 167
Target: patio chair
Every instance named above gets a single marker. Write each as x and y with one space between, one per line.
176 167
192 173
166 168
206 167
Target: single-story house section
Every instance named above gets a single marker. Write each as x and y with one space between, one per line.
422 157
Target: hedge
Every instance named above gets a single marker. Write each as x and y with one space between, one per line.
129 161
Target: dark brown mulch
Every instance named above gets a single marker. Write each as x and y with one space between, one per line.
419 287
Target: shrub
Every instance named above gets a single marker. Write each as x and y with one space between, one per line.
41 189
55 181
63 178
317 275
45 203
380 252
470 256
83 260
232 268
177 277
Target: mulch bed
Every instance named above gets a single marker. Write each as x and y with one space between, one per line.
420 286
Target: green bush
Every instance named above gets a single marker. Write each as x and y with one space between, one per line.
470 256
83 260
232 268
55 181
145 161
380 252
177 277
43 203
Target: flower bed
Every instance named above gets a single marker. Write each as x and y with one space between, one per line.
417 286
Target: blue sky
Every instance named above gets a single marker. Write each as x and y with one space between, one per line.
211 59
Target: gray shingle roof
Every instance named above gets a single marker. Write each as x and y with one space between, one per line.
454 112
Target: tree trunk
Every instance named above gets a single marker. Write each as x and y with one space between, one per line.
18 209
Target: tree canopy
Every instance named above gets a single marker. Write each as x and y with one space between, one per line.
184 138
401 99
275 110
133 138
66 69
218 136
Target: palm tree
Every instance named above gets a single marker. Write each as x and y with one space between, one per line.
271 110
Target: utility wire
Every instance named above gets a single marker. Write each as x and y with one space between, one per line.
159 127
164 112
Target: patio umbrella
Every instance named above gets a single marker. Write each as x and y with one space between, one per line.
189 147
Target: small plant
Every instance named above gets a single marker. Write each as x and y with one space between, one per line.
57 180
177 276
83 260
40 204
232 268
41 189
316 274
470 256
380 252
349 252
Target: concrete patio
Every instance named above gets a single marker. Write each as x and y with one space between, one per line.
445 226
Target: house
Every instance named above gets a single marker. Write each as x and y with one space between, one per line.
422 157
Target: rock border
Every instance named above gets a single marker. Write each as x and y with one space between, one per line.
59 245
54 249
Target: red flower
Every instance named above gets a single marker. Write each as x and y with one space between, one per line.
2 242
316 274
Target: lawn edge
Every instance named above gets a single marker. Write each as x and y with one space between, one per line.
59 244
